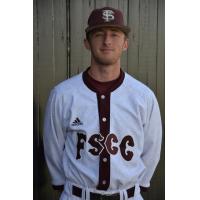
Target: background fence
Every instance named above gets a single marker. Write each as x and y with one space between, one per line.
59 53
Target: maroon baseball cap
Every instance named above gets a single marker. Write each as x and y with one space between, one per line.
106 17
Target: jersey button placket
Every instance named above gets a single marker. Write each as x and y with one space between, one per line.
104 160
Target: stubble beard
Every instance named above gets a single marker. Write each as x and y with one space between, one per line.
105 61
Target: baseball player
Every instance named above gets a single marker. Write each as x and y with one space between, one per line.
102 130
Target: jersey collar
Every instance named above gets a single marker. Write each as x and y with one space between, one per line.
102 87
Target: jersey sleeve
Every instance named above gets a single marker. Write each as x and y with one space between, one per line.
152 141
54 139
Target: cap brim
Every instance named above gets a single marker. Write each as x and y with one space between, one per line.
124 29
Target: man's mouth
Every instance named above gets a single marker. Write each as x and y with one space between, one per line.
105 50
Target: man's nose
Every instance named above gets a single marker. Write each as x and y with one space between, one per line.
107 39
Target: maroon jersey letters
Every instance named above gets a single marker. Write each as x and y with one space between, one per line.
96 141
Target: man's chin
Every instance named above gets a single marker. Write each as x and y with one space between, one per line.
106 61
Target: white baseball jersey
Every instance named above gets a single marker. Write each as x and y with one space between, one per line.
102 140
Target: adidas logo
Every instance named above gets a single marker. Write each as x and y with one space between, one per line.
77 122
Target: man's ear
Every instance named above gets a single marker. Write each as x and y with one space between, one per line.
125 47
86 44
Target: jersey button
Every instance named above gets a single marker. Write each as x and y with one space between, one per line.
82 141
104 119
104 182
104 159
103 96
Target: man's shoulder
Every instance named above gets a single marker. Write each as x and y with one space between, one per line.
70 84
136 86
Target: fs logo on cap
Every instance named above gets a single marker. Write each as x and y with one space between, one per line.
108 15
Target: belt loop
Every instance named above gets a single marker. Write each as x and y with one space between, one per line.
137 189
83 194
137 194
86 194
123 195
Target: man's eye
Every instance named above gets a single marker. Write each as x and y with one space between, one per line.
98 34
115 35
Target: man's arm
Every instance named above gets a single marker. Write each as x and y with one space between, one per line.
54 139
152 142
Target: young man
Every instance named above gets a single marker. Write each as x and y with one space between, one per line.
102 131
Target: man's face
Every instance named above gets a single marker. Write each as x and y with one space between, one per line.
106 45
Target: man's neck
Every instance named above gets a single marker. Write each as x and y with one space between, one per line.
104 73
